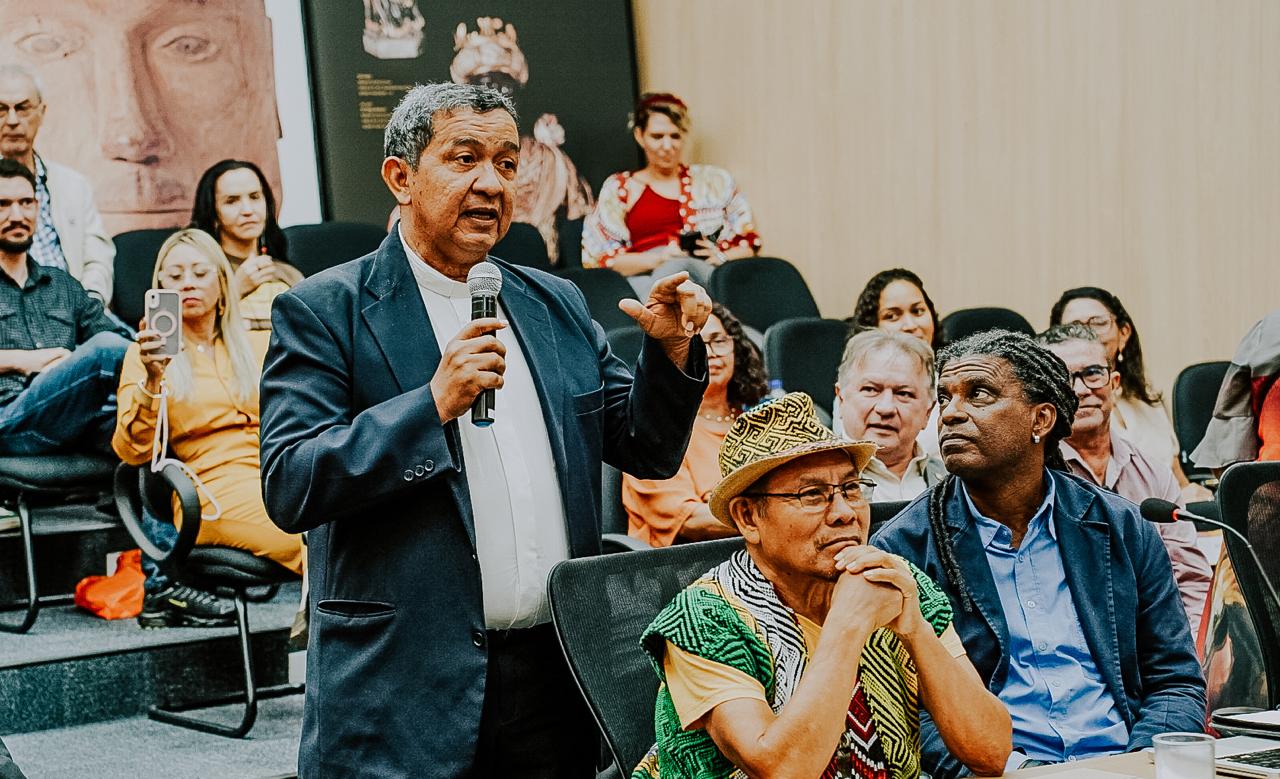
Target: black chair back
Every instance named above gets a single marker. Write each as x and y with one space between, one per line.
315 247
603 288
600 606
761 291
570 244
523 245
1250 499
626 342
967 321
1194 393
805 355
135 261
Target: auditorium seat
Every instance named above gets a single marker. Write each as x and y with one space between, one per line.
1194 393
626 342
603 288
315 247
570 243
135 262
26 482
523 245
613 515
761 291
967 321
210 568
805 355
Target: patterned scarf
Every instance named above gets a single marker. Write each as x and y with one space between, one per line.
732 615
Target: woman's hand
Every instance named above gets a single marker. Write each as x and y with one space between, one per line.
707 250
253 273
149 343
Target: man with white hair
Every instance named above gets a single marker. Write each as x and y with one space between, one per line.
69 231
885 386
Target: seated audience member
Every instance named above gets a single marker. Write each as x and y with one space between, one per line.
59 352
809 650
235 205
639 218
1139 412
69 234
885 387
1064 596
895 300
1099 454
1246 415
211 393
661 512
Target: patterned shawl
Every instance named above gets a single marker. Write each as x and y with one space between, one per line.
733 616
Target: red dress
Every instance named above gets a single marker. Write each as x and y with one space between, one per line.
653 221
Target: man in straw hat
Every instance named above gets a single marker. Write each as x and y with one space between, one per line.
809 650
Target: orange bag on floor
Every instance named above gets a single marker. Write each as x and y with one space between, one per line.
118 596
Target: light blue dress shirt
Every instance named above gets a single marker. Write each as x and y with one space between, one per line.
1060 705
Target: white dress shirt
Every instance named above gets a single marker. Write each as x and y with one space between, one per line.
889 487
510 471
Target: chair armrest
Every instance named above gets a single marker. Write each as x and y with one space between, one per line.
621 542
130 485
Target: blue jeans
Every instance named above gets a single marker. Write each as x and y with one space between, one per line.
164 535
69 408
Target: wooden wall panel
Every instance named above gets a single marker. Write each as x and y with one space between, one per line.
1005 150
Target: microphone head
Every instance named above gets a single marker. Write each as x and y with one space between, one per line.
484 279
1159 511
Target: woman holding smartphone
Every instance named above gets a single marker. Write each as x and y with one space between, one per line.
235 205
649 223
210 389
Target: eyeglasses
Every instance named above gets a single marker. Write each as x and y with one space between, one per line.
1093 376
719 346
818 498
1098 324
24 110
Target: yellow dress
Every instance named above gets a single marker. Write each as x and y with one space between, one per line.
216 435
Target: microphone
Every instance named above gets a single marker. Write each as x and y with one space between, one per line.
484 281
1162 512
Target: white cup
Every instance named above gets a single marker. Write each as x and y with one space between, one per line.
1184 756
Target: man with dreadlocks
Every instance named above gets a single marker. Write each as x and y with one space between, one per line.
1063 595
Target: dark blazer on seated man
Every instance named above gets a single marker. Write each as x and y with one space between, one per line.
1120 581
352 451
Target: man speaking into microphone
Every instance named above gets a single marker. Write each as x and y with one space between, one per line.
431 652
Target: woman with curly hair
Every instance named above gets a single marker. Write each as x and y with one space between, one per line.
1139 414
895 300
663 512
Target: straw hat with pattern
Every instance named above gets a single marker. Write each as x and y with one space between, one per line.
771 435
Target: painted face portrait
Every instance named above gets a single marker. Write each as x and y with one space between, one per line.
143 95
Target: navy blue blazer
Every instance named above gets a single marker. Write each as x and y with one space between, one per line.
1122 584
353 451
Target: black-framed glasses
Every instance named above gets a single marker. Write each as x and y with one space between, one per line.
24 110
818 497
1098 324
1093 376
719 346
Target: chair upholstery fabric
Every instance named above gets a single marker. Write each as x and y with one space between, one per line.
761 291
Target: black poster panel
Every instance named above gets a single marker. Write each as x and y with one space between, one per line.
568 65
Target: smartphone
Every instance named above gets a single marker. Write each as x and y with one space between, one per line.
689 241
164 313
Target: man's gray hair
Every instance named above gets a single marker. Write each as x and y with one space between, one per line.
14 70
868 341
1070 331
411 125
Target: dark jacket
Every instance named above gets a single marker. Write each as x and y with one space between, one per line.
1122 584
353 451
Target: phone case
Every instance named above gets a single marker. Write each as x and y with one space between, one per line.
164 313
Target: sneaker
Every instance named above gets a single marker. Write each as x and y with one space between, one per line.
179 606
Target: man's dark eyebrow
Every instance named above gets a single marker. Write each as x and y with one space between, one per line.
475 143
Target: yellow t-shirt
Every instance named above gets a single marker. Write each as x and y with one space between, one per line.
697 685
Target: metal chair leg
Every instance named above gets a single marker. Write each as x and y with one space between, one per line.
175 715
32 606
